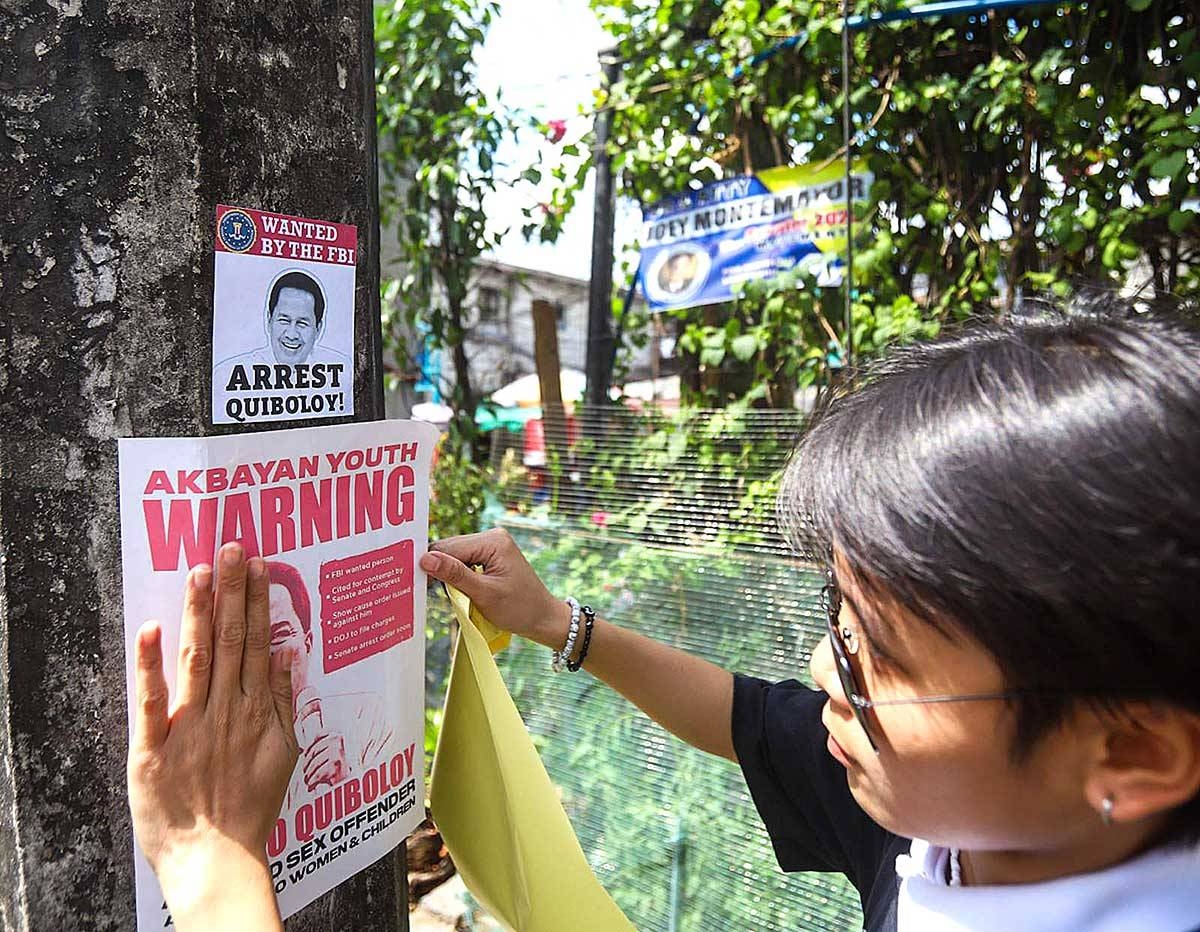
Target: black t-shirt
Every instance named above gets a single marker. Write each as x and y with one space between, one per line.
803 797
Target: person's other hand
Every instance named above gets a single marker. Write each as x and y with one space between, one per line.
508 592
310 721
207 777
325 762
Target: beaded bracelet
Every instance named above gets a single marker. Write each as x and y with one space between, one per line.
561 657
589 619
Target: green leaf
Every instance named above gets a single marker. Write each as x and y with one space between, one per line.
1180 220
1169 165
1140 6
744 347
712 356
937 212
677 445
1164 122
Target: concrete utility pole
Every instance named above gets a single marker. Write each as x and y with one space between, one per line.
600 326
124 125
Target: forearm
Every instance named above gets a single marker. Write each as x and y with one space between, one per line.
688 696
228 889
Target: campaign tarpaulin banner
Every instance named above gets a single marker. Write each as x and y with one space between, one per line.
340 514
699 246
283 317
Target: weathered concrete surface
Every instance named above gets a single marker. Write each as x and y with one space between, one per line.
122 125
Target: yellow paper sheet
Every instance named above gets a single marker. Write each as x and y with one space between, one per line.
496 808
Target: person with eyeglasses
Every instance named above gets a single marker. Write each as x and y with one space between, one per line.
1005 733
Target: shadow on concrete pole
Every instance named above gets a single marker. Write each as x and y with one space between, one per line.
124 125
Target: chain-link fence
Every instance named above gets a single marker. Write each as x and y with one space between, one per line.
665 524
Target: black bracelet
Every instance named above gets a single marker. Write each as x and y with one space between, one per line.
589 619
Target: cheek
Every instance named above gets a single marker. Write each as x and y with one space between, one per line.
950 780
939 776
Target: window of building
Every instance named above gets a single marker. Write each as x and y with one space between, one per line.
490 303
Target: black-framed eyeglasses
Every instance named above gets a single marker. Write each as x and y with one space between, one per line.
845 643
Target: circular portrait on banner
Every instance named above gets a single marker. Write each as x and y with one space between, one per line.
678 273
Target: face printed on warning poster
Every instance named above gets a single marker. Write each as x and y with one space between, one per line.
283 317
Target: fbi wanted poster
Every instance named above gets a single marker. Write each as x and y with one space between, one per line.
340 514
283 317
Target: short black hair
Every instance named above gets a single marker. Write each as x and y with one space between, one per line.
286 575
301 281
1033 485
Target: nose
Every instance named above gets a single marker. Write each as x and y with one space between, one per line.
824 673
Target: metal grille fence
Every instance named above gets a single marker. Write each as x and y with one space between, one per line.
666 525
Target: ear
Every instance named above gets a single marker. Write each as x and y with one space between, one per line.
1150 762
308 641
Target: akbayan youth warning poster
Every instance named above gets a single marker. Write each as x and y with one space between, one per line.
340 514
283 317
700 246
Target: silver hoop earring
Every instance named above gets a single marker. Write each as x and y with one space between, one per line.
1106 810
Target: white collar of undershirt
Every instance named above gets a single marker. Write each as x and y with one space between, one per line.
1158 890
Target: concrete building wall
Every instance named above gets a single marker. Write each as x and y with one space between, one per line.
500 330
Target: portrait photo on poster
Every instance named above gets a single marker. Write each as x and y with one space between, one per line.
283 318
679 273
